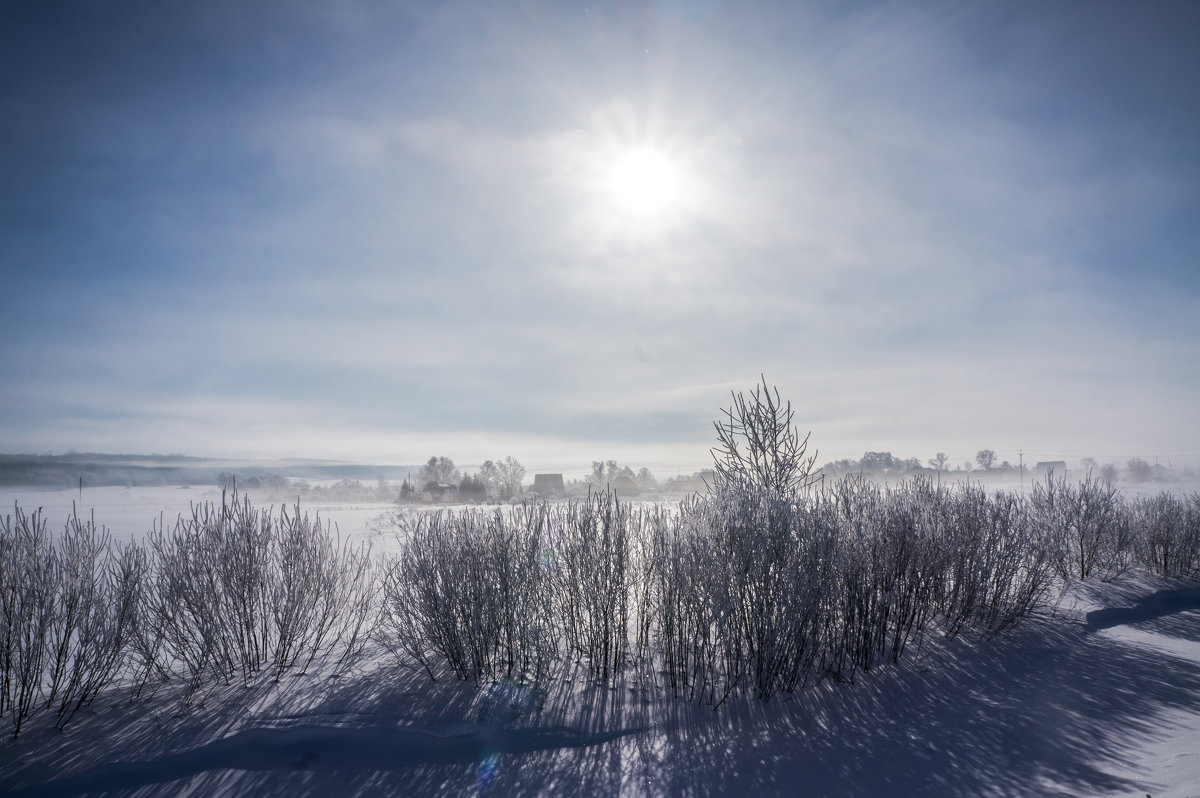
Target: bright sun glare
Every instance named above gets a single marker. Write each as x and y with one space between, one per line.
645 182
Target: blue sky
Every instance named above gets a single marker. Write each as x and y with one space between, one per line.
380 231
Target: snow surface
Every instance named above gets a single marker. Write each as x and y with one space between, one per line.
131 512
1100 698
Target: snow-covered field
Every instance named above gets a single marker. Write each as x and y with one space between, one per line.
1100 698
130 512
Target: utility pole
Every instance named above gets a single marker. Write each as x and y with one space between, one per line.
1021 467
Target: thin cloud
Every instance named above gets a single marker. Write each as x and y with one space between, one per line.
390 224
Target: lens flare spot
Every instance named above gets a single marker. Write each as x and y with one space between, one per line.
489 766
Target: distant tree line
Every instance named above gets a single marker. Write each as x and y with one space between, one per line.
504 480
885 464
228 480
440 480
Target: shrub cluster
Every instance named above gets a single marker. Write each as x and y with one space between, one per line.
233 590
1085 526
68 608
469 588
749 589
781 592
229 592
1168 534
1090 530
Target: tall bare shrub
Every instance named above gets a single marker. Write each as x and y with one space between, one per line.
1086 526
591 557
471 590
97 607
234 589
1168 534
759 446
28 591
68 606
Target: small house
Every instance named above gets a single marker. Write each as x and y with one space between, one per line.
549 485
441 493
625 486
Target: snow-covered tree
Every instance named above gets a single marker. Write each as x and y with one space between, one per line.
986 458
439 471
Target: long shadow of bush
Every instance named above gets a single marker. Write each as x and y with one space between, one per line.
1044 711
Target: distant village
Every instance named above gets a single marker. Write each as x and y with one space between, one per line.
500 481
440 481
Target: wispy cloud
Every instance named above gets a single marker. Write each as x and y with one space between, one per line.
369 229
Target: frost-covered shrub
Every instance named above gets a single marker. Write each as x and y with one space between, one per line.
472 590
207 610
762 585
590 559
751 590
68 606
684 572
889 571
99 594
743 585
233 589
1168 534
759 448
999 569
1085 526
778 560
28 589
324 595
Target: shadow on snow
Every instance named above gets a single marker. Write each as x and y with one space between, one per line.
1049 709
1149 608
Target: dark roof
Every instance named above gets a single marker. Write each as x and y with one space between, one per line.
548 482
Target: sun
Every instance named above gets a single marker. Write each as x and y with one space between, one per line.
645 182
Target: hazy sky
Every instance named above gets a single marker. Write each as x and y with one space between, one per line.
381 231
